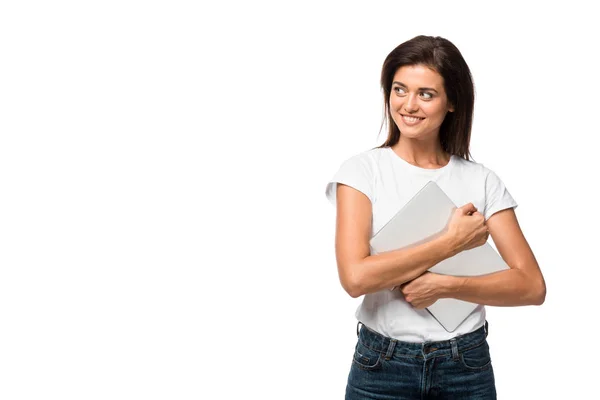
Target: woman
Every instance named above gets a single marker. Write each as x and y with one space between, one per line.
402 352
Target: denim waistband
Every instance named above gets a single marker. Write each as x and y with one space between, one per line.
396 348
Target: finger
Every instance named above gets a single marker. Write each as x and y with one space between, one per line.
468 208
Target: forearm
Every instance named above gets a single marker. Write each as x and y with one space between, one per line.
504 288
393 268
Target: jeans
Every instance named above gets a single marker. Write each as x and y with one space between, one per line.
385 368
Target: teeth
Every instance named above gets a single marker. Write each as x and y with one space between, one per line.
411 119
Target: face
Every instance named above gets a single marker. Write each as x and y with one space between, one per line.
418 91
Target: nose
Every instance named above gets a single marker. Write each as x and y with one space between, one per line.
411 104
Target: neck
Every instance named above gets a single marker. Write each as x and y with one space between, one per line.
422 156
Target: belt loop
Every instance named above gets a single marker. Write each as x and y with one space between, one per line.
485 328
454 349
357 325
390 349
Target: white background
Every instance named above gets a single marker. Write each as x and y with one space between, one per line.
164 230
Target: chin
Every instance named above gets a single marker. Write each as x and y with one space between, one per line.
416 136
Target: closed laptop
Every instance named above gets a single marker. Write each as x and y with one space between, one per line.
423 218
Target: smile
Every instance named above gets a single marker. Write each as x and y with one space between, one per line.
411 120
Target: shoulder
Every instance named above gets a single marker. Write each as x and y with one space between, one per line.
369 155
471 164
478 173
367 159
484 186
358 171
471 167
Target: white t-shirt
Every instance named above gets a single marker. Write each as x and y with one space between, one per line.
390 182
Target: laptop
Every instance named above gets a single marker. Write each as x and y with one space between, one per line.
423 218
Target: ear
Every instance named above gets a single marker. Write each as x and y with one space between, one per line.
450 108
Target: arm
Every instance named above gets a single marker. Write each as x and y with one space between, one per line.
359 272
523 284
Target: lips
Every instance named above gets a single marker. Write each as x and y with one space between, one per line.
411 121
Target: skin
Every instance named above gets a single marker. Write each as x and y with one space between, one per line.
522 284
419 145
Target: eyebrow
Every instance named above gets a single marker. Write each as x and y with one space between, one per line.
421 88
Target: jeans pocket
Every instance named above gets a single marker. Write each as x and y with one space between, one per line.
477 358
366 358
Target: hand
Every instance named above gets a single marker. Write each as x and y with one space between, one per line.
424 290
467 228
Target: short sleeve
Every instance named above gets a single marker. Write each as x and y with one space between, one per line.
356 172
497 197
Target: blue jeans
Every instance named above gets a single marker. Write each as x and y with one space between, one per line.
388 369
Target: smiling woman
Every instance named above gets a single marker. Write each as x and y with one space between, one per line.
402 351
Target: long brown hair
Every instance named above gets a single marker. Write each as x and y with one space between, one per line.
443 57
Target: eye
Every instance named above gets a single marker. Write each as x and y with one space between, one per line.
428 94
398 87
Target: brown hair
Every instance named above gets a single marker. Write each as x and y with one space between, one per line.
442 56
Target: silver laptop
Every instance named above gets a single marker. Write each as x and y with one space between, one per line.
423 218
